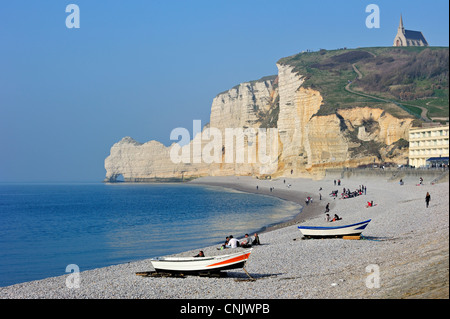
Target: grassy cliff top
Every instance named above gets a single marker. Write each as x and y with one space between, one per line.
403 81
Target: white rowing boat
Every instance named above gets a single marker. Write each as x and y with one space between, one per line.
333 231
200 264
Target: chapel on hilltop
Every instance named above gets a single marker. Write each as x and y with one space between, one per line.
408 38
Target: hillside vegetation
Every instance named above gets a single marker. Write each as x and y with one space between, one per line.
402 81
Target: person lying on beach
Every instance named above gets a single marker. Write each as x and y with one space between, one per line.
246 242
370 204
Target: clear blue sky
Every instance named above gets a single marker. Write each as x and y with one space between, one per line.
142 68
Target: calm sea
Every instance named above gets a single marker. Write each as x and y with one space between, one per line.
45 227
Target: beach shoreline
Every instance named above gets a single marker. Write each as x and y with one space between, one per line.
279 190
408 244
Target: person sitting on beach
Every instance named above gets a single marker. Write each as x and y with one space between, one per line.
233 242
336 218
328 218
225 244
256 240
200 254
246 242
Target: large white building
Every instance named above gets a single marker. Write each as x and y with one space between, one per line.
428 145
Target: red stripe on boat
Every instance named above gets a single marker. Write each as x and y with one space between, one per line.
232 260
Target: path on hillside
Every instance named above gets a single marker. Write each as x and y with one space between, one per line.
437 118
423 115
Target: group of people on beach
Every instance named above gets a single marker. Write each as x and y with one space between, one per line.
231 242
328 218
246 242
335 218
347 193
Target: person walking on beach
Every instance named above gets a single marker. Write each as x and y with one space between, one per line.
427 199
327 208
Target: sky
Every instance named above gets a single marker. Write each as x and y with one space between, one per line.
142 68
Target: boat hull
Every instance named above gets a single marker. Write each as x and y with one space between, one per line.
198 265
333 231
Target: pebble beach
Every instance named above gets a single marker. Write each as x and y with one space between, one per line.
403 252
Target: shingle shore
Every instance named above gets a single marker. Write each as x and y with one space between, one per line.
407 247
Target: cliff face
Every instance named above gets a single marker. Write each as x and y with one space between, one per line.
305 144
244 106
312 143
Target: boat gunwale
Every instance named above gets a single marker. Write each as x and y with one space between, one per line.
198 259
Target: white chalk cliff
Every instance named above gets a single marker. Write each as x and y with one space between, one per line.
306 143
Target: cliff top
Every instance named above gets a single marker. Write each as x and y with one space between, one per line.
269 78
403 81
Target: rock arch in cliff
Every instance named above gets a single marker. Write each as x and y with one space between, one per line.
116 178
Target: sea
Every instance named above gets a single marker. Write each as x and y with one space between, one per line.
44 227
